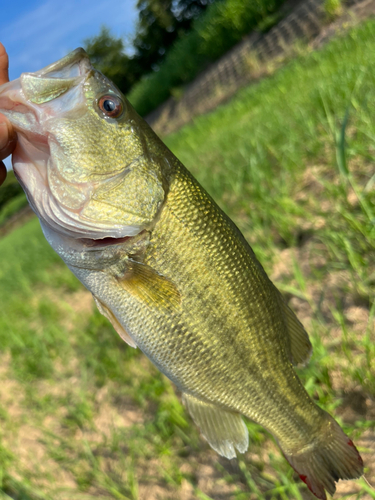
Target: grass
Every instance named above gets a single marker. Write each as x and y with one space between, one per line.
291 160
12 207
12 198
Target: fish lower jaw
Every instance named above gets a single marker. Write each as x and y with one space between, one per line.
87 234
89 237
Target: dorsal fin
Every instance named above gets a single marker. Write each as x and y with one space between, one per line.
300 348
224 430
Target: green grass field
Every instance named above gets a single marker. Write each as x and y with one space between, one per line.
292 161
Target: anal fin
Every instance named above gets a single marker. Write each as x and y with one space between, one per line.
115 323
224 430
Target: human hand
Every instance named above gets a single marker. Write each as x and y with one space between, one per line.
8 136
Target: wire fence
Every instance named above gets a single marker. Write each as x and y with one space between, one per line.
246 62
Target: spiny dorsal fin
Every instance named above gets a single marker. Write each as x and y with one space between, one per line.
224 430
148 285
115 323
300 345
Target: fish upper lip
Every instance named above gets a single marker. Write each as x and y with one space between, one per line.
78 55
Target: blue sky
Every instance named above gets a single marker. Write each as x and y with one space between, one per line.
38 32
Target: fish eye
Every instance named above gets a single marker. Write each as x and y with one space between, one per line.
111 106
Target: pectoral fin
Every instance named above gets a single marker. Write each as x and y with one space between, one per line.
115 323
149 286
224 430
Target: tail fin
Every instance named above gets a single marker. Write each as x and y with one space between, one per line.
326 461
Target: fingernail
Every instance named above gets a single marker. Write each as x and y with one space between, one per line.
4 135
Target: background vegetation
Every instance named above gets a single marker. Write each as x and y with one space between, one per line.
212 34
174 41
160 24
291 160
12 198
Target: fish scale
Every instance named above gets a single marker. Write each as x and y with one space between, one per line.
168 268
234 322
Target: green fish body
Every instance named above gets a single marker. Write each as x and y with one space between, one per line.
168 268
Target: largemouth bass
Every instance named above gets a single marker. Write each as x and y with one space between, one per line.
167 267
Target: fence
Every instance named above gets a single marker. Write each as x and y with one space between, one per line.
244 63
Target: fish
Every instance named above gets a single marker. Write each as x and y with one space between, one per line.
168 268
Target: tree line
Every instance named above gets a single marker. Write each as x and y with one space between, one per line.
160 23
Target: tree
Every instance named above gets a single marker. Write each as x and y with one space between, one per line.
160 23
107 53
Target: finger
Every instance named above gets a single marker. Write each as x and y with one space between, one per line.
3 172
4 65
8 138
7 133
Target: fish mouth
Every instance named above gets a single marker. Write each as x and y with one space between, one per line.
103 242
19 98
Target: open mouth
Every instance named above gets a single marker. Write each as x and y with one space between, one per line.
43 86
103 242
20 99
